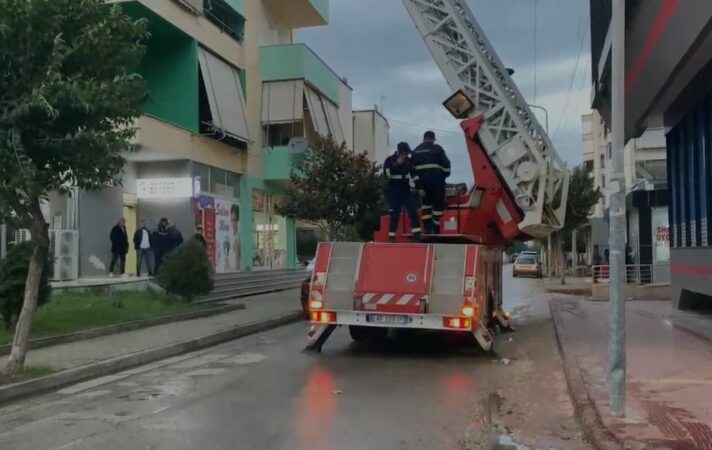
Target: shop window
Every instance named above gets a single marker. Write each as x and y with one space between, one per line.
202 171
217 181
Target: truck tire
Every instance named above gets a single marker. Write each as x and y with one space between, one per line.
363 334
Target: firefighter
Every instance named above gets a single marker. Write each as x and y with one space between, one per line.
432 167
401 181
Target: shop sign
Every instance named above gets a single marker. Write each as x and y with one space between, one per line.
157 188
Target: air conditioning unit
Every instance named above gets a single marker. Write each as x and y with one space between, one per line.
64 246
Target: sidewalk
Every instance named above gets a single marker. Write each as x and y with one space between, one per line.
669 388
74 354
573 286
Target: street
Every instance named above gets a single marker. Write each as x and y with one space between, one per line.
263 392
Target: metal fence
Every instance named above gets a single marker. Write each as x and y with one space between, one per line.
635 273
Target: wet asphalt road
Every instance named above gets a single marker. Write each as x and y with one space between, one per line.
262 392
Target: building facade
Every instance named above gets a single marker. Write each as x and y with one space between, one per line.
668 83
233 100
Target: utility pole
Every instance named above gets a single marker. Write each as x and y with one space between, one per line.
616 239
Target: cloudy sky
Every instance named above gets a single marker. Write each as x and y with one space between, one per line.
375 45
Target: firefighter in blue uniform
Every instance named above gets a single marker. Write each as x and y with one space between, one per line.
401 180
432 167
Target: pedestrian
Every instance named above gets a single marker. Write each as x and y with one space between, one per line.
143 243
175 238
198 236
119 247
432 168
401 181
160 242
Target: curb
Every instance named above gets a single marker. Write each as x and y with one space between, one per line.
74 375
121 327
585 408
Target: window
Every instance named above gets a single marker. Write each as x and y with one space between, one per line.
279 134
202 171
217 181
226 18
222 103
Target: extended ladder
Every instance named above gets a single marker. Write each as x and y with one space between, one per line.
511 135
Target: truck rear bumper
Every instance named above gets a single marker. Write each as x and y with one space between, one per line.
412 321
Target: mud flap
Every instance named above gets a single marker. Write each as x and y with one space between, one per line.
484 337
504 320
317 335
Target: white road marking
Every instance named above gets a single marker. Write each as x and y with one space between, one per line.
245 358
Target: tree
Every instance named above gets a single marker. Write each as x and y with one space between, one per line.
13 274
336 190
68 102
582 197
186 272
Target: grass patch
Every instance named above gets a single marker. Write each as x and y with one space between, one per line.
29 373
66 313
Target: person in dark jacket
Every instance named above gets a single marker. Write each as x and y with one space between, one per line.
160 242
119 247
175 237
432 167
143 243
401 181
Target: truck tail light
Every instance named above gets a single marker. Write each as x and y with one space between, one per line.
468 308
323 316
457 323
316 304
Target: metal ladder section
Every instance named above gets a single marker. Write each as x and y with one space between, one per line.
447 283
341 275
513 138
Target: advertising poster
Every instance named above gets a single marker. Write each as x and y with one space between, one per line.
205 217
227 236
661 235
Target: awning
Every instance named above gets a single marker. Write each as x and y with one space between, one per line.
196 5
316 110
282 101
227 102
332 116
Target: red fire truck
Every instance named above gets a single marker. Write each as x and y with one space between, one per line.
453 279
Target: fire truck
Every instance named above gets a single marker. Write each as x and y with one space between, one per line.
451 280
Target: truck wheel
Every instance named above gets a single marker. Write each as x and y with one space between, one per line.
363 334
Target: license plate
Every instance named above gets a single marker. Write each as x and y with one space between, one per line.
388 318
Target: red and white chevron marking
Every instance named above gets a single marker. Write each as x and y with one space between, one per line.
389 299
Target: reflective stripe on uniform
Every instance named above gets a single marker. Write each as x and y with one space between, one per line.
391 234
427 217
395 177
445 169
424 207
437 213
431 166
416 230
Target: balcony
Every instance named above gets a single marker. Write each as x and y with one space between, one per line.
299 62
299 13
277 162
